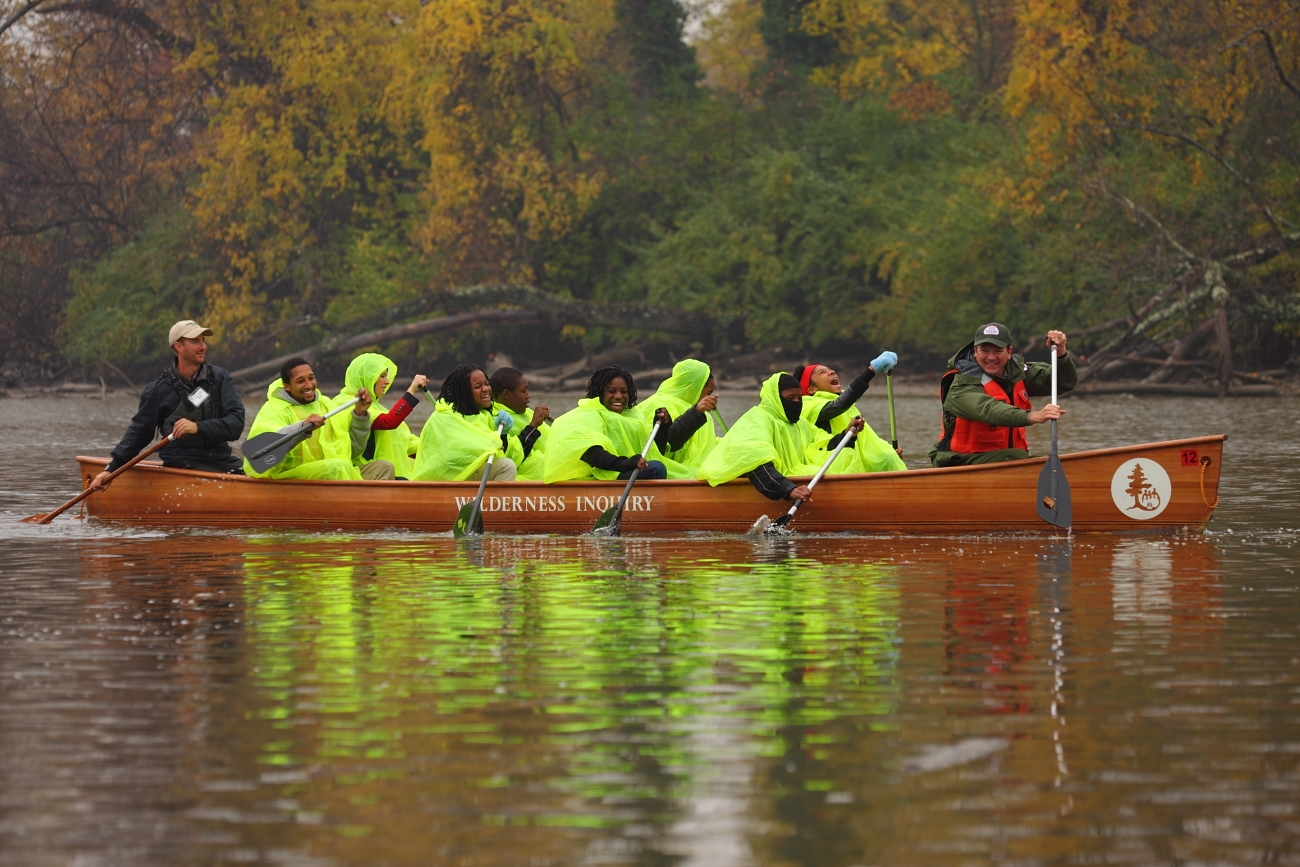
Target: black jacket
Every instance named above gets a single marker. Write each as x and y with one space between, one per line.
220 418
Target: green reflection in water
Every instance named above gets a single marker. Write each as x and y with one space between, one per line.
509 681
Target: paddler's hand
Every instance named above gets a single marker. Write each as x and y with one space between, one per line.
708 403
183 428
362 407
503 420
540 415
100 482
640 462
314 420
803 494
662 417
1057 339
857 424
884 362
1046 414
418 383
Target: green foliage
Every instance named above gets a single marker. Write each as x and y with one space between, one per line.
663 64
122 306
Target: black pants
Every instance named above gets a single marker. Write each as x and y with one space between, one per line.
230 465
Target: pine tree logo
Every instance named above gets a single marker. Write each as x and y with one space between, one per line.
1145 496
1140 488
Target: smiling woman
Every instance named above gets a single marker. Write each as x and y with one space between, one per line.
462 433
600 439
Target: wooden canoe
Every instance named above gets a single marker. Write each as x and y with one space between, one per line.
1156 487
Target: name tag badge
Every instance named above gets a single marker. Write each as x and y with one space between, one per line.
197 396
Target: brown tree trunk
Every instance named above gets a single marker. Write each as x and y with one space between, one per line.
1225 346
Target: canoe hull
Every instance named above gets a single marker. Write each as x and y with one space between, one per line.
1172 489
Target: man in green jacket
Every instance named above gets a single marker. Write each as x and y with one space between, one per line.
986 395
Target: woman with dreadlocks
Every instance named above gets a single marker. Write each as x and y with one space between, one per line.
602 440
462 432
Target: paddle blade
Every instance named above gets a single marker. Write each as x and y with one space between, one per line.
779 527
262 463
42 518
463 526
610 522
1054 509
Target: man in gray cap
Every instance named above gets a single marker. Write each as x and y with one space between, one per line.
985 396
191 400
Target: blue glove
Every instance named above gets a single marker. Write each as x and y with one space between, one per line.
504 420
884 362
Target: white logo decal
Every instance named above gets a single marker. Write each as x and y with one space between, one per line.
1140 488
990 329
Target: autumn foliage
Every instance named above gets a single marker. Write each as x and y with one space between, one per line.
811 173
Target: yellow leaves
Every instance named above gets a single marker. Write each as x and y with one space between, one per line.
730 47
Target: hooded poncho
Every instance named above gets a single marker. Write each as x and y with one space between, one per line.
394 446
327 444
531 470
870 454
764 435
454 447
620 433
677 394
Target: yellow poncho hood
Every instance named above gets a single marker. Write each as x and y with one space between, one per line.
394 446
677 394
764 435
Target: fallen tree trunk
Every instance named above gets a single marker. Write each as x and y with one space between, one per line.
536 306
397 332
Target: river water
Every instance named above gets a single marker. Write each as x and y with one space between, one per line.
286 698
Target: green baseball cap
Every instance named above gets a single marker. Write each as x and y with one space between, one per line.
995 333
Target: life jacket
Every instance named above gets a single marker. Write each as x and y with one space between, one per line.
970 437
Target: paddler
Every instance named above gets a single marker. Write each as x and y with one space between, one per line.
510 394
462 432
390 447
191 400
986 395
601 439
329 452
829 406
688 396
772 441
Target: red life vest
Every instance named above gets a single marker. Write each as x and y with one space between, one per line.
969 437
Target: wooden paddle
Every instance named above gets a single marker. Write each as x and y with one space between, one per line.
1053 488
893 427
768 527
50 516
267 449
469 520
610 522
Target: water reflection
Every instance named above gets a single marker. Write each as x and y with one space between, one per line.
306 699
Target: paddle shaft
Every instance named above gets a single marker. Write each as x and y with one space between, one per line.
50 516
848 437
1055 458
482 487
284 439
893 428
618 509
718 416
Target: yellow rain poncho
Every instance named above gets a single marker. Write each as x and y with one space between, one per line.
677 394
763 435
327 454
870 454
620 433
454 447
394 446
531 470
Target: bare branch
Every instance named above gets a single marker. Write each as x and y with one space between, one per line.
134 17
20 14
1277 64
